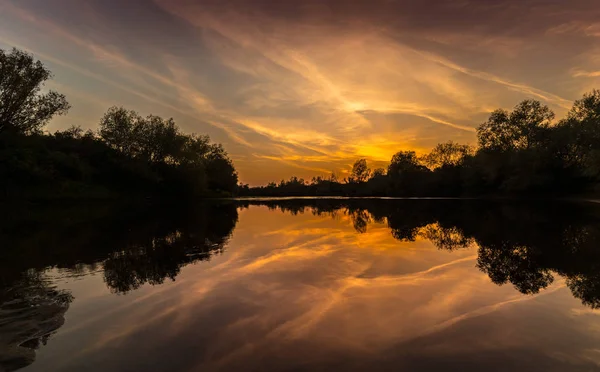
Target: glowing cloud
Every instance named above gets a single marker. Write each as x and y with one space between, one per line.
306 87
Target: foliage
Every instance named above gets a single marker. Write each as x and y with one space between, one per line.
522 128
521 153
360 171
449 154
378 172
130 155
578 137
23 108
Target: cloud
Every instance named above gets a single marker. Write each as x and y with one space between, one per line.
309 86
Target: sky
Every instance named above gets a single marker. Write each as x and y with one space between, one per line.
306 87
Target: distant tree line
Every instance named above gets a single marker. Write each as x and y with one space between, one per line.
129 155
519 152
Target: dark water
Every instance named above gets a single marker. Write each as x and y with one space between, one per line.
302 285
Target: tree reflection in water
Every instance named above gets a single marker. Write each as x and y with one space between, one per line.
525 244
30 311
522 243
131 249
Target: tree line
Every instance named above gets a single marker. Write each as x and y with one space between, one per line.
128 155
519 152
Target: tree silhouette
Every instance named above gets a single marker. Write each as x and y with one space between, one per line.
448 154
520 153
378 172
23 108
579 136
520 129
406 173
404 161
360 171
129 156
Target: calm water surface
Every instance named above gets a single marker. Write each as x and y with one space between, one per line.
303 285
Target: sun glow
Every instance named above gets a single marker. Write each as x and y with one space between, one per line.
288 87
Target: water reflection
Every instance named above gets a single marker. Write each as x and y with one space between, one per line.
30 311
522 243
290 282
129 247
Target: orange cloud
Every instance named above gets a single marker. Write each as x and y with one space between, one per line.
300 92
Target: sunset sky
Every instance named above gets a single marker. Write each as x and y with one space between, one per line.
305 87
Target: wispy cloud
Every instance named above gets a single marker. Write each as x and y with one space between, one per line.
308 87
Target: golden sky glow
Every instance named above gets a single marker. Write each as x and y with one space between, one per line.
306 87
